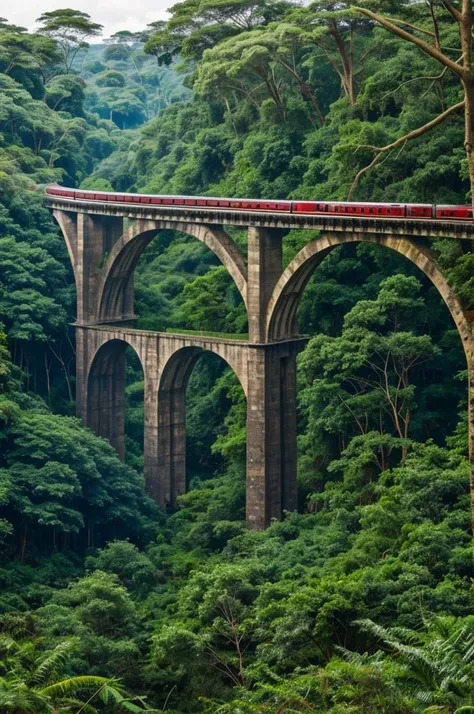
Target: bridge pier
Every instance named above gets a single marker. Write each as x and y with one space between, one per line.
265 265
271 432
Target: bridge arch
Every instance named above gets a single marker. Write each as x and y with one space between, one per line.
105 391
281 321
115 290
174 377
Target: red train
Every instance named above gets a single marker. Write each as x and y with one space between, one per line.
332 208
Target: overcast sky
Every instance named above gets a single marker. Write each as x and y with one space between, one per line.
114 15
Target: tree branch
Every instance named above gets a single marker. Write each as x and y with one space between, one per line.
396 21
452 10
403 139
416 79
421 44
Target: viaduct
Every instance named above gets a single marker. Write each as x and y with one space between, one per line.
105 242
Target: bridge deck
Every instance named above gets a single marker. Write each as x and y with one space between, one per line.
427 228
117 331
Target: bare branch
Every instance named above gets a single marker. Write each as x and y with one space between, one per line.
452 10
402 140
396 21
421 44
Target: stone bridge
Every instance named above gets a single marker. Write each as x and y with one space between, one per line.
105 242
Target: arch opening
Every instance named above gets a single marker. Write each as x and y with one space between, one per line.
114 400
281 316
201 423
422 410
116 289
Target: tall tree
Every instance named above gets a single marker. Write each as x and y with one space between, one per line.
335 29
70 29
195 26
259 54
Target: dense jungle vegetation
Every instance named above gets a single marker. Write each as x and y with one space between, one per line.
360 603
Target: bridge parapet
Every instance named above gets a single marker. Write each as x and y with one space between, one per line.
412 228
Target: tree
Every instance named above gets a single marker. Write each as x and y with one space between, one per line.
431 44
232 63
195 26
98 613
70 29
59 479
336 29
123 46
27 52
365 381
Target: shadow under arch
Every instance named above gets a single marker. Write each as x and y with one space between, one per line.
105 395
172 419
116 285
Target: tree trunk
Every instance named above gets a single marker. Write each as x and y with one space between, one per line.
469 130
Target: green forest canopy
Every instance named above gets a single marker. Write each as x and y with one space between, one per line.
360 603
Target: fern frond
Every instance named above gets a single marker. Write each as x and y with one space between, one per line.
52 663
66 686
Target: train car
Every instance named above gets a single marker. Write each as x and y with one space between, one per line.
370 210
458 213
339 208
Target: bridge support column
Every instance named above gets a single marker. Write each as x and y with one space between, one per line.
150 364
264 271
89 239
172 444
271 432
82 368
